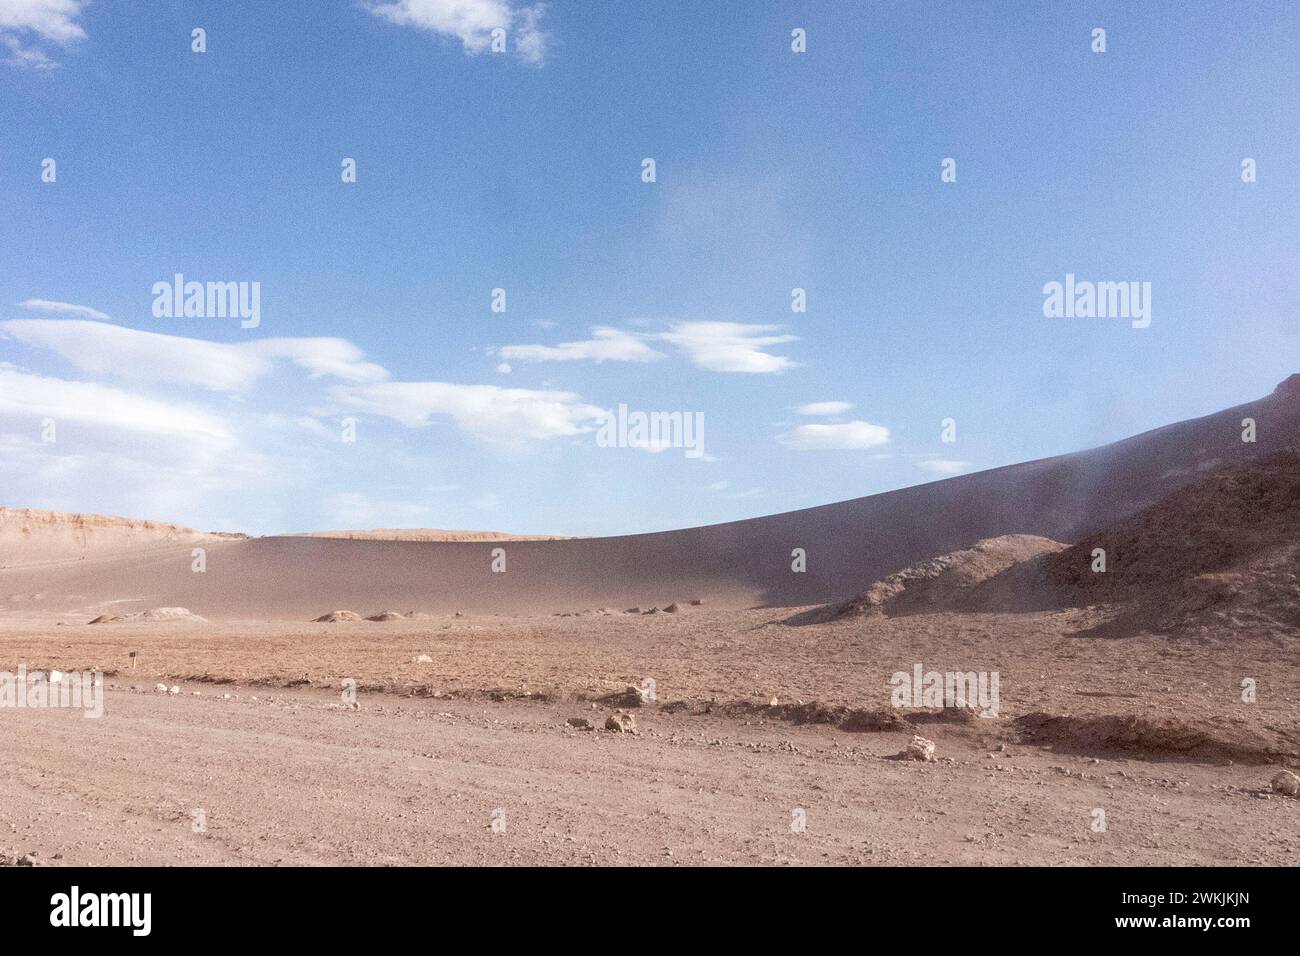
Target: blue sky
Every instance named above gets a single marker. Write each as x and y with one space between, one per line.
522 170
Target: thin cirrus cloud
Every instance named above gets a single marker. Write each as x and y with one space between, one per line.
154 357
494 414
25 396
605 345
472 22
713 346
29 27
62 308
845 435
824 409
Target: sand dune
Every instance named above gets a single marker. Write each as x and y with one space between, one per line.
429 534
849 544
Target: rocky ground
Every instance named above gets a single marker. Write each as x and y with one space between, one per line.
460 722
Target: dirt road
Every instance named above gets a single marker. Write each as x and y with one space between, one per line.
289 777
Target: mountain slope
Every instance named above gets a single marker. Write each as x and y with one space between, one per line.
737 564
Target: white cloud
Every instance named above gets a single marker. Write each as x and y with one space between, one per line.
31 398
320 356
154 357
824 408
716 346
472 22
504 368
849 435
729 346
944 466
720 486
605 345
118 452
62 308
489 412
50 21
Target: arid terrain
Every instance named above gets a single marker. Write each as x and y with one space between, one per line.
308 700
285 773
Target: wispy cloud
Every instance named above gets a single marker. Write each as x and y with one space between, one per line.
26 23
62 308
29 398
847 435
605 345
715 346
488 412
824 409
472 22
730 346
151 356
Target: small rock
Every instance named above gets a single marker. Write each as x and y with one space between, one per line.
621 723
918 748
424 659
173 689
696 602
1287 783
160 688
672 608
581 723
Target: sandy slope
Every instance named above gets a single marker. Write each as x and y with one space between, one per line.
32 537
429 534
848 545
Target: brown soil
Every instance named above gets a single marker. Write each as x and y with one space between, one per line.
286 774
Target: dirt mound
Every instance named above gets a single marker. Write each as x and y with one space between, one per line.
851 719
336 617
154 615
1219 556
1150 738
942 582
1216 558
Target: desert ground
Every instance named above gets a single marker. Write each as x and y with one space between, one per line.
693 696
260 740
